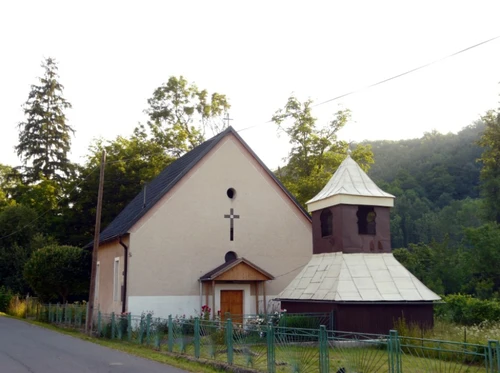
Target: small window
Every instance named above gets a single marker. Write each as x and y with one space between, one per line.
231 193
230 256
366 220
97 276
116 280
326 219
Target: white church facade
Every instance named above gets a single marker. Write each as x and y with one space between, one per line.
214 228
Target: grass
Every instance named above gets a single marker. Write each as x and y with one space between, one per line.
373 358
252 353
447 331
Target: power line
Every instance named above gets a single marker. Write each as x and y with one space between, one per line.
388 79
408 72
293 270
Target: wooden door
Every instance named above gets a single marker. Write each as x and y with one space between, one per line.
231 301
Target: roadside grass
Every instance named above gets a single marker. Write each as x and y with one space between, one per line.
415 359
448 331
130 348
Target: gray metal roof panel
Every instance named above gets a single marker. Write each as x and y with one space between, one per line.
356 277
350 179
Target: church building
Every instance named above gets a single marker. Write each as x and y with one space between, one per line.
215 228
352 272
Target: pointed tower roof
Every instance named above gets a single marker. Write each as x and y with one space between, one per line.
350 185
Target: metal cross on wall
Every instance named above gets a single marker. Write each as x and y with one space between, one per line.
231 216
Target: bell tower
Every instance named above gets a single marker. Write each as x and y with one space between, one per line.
351 214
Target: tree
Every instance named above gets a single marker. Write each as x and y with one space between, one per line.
441 267
483 258
180 114
131 163
490 159
20 234
58 272
44 138
6 186
316 152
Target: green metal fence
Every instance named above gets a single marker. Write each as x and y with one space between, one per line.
271 347
73 315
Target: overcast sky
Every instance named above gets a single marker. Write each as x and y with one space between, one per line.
113 54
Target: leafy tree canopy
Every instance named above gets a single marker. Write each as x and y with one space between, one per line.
316 152
483 258
130 164
20 234
6 186
180 114
56 272
490 159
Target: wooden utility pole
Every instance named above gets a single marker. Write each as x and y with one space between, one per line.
90 309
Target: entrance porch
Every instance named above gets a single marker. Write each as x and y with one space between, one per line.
235 288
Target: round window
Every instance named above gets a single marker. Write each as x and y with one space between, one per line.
230 256
231 193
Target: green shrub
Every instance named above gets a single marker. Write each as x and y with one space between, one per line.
5 297
299 322
467 310
218 337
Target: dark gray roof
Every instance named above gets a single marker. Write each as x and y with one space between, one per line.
166 180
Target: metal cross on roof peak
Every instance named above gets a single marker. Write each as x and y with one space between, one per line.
226 118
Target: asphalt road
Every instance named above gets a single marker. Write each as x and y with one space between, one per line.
25 348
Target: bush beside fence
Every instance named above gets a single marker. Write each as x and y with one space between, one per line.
271 347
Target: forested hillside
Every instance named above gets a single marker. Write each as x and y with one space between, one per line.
444 166
436 182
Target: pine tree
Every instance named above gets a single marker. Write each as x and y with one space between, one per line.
45 138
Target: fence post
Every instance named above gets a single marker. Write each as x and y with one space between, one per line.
158 334
50 314
113 325
498 355
197 337
148 327
129 326
493 356
229 341
324 363
170 334
79 317
99 323
394 352
271 365
87 316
